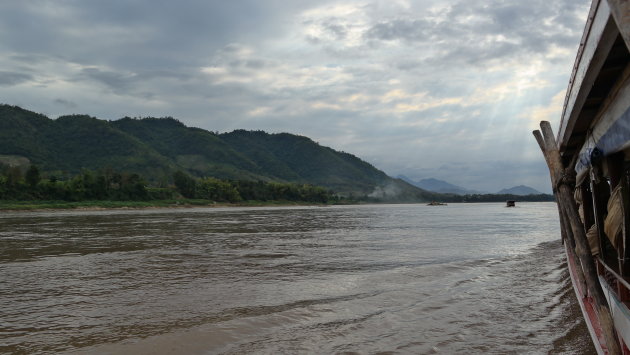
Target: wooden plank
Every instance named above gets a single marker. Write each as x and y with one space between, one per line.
620 10
616 104
599 40
615 107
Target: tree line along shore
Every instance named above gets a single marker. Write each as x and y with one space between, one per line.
31 189
21 189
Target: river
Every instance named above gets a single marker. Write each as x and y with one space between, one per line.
403 279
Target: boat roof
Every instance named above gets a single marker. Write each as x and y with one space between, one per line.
600 64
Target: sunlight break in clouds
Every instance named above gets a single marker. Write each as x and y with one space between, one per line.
550 112
342 24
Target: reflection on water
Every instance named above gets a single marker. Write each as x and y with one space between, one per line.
467 278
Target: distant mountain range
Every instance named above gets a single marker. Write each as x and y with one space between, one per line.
520 190
441 186
157 147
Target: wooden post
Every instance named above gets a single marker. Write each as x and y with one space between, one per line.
563 225
587 202
625 296
598 211
564 195
618 179
579 274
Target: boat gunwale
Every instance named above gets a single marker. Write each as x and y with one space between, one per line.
591 322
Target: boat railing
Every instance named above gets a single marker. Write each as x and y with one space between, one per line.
616 281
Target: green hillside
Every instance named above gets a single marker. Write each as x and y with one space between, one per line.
157 147
298 158
195 150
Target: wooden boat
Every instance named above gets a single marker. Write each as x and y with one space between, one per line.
510 203
434 203
589 163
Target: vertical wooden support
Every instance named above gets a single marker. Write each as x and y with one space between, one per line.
587 203
565 229
620 10
564 194
570 240
625 186
598 213
618 178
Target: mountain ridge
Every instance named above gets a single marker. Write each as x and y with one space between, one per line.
520 190
444 187
157 147
439 186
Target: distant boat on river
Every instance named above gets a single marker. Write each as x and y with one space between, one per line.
434 203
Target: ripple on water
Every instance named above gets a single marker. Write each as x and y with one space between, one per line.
468 278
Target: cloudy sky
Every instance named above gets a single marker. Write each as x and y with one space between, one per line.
449 89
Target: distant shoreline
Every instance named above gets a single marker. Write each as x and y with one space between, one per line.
20 206
38 206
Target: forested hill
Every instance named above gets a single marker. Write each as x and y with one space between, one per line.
157 147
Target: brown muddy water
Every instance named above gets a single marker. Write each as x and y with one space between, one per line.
404 279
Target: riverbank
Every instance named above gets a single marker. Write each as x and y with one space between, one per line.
37 205
100 205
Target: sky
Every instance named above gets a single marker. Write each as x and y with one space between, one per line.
446 89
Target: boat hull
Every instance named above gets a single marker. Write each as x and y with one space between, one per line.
587 305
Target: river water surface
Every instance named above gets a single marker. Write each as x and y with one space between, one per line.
407 279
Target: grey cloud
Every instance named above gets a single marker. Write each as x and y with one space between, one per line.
11 78
139 34
114 80
30 58
163 74
66 103
409 30
474 54
135 84
459 168
231 48
458 39
255 63
408 64
338 30
313 40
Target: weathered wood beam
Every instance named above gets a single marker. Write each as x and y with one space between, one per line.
561 180
626 230
598 211
564 230
579 274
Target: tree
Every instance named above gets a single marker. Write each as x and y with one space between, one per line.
185 184
14 176
217 190
32 176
